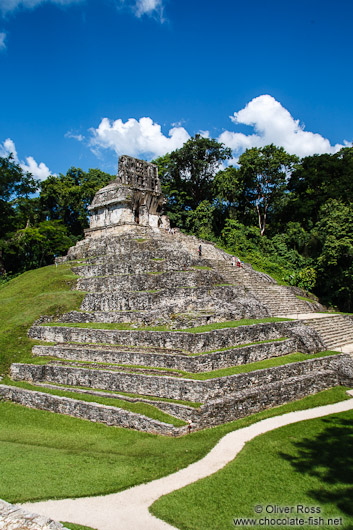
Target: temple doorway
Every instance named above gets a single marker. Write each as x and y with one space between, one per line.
137 213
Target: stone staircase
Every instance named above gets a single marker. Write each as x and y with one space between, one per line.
336 330
278 299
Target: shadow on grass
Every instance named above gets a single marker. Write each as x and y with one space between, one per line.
329 457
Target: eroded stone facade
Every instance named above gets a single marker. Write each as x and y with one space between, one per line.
133 198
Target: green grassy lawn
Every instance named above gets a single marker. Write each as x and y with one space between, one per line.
39 292
139 408
138 396
45 455
308 464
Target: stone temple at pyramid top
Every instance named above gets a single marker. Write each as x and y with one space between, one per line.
133 199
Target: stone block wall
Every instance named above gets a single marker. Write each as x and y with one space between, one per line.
180 299
180 388
131 243
254 400
102 267
145 281
86 410
202 363
308 339
164 387
223 386
229 398
153 317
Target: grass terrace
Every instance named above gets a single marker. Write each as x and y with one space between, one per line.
139 408
128 394
198 329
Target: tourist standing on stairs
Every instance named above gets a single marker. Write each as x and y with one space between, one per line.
200 251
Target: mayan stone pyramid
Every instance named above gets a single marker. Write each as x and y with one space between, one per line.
138 273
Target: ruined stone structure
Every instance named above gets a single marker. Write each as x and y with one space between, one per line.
133 198
136 274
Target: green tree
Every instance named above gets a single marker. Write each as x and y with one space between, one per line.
201 221
16 187
264 172
66 197
187 175
228 190
334 265
33 247
316 180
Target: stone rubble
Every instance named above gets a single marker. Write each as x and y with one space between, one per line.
14 518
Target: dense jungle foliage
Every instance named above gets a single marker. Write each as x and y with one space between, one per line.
289 217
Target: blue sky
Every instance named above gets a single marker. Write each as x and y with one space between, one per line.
83 81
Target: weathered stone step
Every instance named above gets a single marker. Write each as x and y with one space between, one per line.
178 388
252 400
150 317
194 364
337 320
146 240
183 412
148 281
115 267
87 410
307 338
335 331
132 369
178 300
232 407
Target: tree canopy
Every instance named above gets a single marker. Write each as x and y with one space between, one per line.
40 220
187 175
264 171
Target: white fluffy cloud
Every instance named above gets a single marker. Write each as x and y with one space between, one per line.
144 7
136 138
39 171
2 41
138 7
10 5
147 7
273 123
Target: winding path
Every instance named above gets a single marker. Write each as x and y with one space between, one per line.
128 510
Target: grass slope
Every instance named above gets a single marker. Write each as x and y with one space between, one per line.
45 291
308 464
45 455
